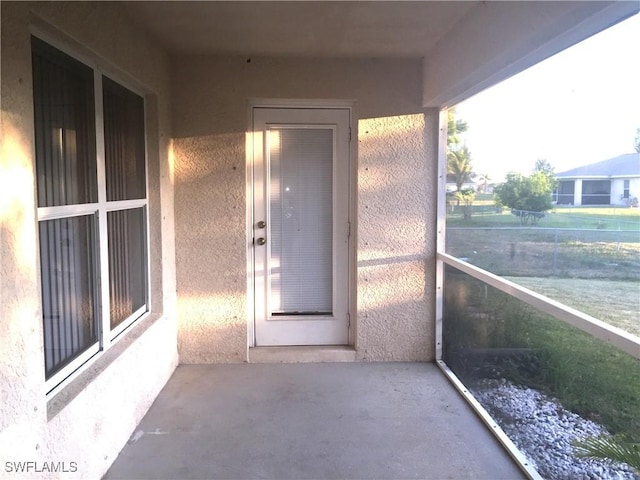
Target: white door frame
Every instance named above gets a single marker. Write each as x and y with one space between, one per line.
249 215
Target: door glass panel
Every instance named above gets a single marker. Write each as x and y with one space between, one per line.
301 231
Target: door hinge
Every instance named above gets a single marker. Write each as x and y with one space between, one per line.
348 229
348 320
349 134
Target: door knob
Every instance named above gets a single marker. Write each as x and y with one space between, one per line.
261 241
261 224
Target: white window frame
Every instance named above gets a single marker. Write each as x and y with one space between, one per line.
106 336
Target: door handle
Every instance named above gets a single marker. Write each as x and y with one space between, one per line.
261 241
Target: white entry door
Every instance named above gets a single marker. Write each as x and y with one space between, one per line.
301 226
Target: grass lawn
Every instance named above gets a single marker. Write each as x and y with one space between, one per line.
549 253
614 302
585 257
587 375
606 211
601 218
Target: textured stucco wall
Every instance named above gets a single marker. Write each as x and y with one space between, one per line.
210 120
91 419
396 238
210 248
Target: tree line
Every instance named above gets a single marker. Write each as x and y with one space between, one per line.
528 196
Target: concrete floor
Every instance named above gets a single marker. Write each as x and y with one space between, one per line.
311 421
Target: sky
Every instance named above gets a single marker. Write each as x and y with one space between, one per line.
578 107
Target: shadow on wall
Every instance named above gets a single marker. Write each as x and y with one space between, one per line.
211 247
211 331
396 204
209 91
210 215
395 333
394 309
396 238
396 187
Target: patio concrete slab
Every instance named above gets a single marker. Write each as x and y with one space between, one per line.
311 421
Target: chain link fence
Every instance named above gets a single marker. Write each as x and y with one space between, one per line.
546 252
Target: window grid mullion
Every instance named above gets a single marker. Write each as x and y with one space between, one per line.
98 209
103 242
66 211
125 204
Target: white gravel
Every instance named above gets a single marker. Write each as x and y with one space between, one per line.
543 431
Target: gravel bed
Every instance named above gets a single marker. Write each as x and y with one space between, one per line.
543 431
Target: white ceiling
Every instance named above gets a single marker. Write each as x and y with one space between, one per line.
301 29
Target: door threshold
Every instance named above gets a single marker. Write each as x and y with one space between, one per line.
303 354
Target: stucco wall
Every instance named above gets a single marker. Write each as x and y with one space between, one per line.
92 418
634 188
210 97
396 238
617 191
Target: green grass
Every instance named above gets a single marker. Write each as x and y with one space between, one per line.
549 253
605 211
596 271
588 376
618 303
584 257
485 214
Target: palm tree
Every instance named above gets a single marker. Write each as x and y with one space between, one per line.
611 448
459 166
454 128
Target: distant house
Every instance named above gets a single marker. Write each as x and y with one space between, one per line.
615 181
451 184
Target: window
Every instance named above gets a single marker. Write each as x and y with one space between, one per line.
596 192
625 192
92 208
565 193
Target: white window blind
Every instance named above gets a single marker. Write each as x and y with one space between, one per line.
301 230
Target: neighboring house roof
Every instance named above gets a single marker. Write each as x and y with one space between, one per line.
627 165
452 179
